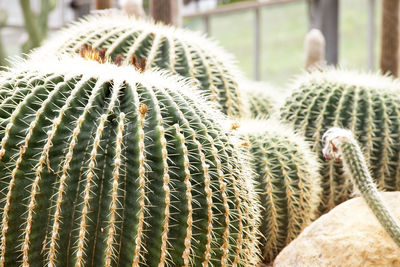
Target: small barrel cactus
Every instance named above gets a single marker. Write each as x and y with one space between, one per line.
340 144
259 99
287 181
102 165
368 105
179 51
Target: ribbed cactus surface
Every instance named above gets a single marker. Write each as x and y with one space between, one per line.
101 165
259 100
179 51
366 104
288 182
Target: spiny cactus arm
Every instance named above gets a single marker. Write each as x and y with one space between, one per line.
341 144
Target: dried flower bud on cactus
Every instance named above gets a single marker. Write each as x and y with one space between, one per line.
179 51
102 165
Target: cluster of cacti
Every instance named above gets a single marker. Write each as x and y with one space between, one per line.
182 52
102 165
368 105
287 180
340 144
258 97
106 162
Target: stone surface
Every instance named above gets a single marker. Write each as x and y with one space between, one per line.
349 235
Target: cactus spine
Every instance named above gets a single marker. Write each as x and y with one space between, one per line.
287 179
102 165
341 144
185 53
366 104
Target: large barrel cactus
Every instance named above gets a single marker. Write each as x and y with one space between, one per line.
102 165
368 105
179 51
288 182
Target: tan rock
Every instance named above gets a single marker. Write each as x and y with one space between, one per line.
349 235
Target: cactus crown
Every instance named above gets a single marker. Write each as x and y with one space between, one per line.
288 182
364 103
180 51
103 165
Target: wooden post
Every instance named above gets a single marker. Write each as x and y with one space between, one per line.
371 34
257 43
3 54
167 11
324 16
206 19
80 7
104 4
390 37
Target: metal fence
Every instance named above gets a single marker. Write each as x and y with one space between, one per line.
63 14
256 6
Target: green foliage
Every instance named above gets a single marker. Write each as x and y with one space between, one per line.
102 165
185 53
368 105
287 179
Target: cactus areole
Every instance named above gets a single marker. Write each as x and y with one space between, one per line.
102 165
180 51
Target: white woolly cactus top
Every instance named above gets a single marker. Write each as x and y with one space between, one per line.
72 66
177 50
350 78
124 22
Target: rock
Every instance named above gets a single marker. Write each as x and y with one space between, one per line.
349 235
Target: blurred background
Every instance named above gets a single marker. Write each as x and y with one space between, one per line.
266 36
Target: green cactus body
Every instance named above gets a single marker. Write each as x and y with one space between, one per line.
340 144
258 98
288 182
105 166
368 105
179 51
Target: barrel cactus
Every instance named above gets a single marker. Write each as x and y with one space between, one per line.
259 99
368 105
288 182
102 165
180 51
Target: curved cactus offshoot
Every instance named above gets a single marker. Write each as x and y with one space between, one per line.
340 144
368 105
